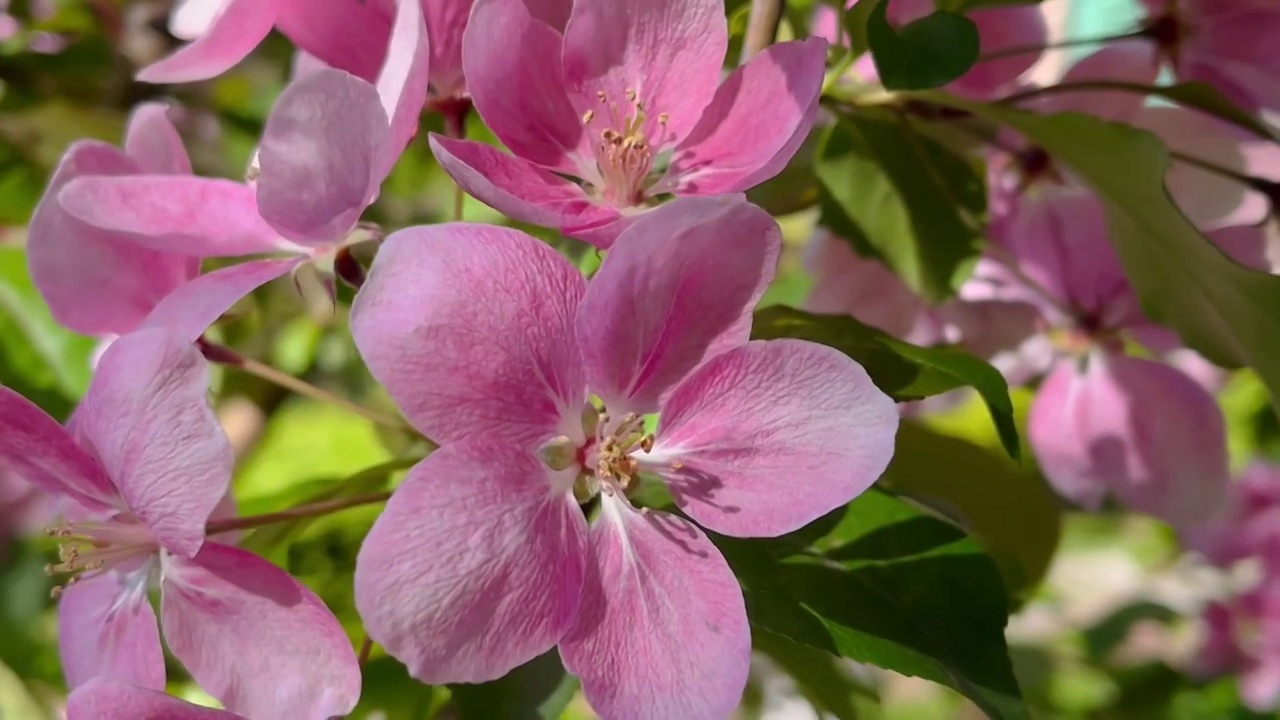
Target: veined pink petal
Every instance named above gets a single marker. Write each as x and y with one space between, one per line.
476 564
1002 29
323 146
147 417
106 628
506 367
196 216
552 12
517 83
446 22
233 34
153 142
1131 61
255 638
668 52
350 35
192 308
738 436
677 287
402 81
662 632
96 282
517 188
110 700
753 117
40 451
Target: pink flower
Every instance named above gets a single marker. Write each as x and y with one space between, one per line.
494 345
1226 43
23 509
141 468
329 142
1243 637
109 700
1248 525
605 94
999 29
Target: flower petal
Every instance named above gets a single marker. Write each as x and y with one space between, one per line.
1130 61
662 631
110 700
517 188
760 108
42 452
751 422
147 417
96 282
192 308
470 329
232 35
106 628
517 82
475 566
677 287
350 35
197 216
1002 29
153 142
668 51
402 81
321 151
256 639
446 22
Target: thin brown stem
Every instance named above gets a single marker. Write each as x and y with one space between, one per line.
326 507
762 27
366 649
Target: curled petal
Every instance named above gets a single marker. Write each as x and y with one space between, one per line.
446 22
110 700
153 142
229 38
350 35
506 367
191 309
662 632
737 435
402 81
255 638
677 288
476 565
147 417
39 450
106 629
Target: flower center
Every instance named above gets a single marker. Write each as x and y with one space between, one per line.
624 155
606 460
86 549
1169 31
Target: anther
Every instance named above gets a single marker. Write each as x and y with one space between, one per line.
646 442
631 95
663 118
588 116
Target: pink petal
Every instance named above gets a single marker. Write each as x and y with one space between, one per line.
256 639
662 632
516 81
1130 61
1002 29
753 117
475 566
446 21
677 288
751 423
191 309
153 142
470 329
147 416
189 19
517 188
350 35
1137 428
106 628
109 700
96 282
39 450
322 148
203 217
402 82
234 33
668 51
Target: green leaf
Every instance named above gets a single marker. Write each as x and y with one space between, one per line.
895 588
38 358
904 199
820 676
538 690
390 693
1009 510
902 370
1227 312
927 53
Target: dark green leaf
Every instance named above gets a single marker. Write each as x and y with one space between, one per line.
537 690
1228 313
904 199
389 692
896 588
927 53
902 370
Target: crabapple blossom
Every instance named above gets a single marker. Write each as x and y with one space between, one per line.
1248 526
139 470
110 700
1243 637
537 384
626 99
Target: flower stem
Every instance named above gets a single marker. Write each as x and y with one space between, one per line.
1061 44
762 27
366 649
226 356
326 507
1083 85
